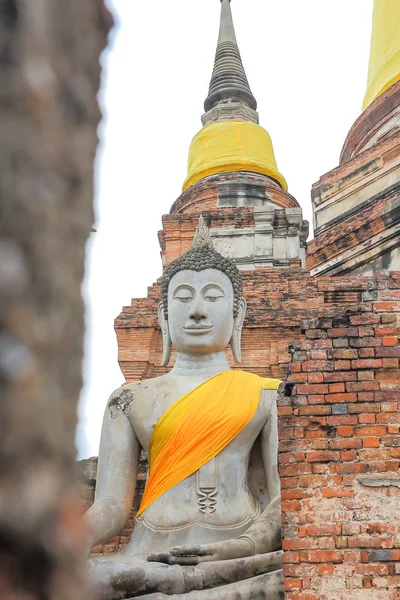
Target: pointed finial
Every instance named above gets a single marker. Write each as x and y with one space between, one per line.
229 81
226 28
202 237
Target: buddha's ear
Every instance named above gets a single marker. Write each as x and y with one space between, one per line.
167 342
236 341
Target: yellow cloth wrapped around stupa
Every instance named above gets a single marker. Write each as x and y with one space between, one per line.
199 426
384 63
229 146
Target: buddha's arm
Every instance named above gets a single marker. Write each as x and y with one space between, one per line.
265 532
269 450
116 474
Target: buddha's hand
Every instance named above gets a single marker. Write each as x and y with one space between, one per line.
194 555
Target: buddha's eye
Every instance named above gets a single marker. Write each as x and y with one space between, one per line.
184 299
212 298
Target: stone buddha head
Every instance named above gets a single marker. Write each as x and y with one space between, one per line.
202 308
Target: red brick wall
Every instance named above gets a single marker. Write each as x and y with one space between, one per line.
339 453
277 301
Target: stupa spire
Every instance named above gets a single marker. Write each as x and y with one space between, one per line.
231 140
229 81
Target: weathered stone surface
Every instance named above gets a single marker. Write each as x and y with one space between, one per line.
50 75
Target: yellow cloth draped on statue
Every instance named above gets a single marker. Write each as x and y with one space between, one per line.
199 426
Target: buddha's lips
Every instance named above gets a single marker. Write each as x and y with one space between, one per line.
198 329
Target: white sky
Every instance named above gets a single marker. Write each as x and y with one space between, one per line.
306 62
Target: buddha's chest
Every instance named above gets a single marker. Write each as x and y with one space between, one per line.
152 403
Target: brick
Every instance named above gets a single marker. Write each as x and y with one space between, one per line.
339 409
323 556
318 355
368 363
366 352
315 399
289 482
386 306
322 530
351 528
294 470
346 443
362 386
389 318
393 429
322 344
315 410
337 398
293 584
344 354
390 341
345 431
388 352
315 378
371 442
337 492
322 456
388 417
390 363
348 455
340 376
365 375
371 430
366 342
343 332
384 331
366 396
336 388
343 419
312 389
366 331
351 556
371 569
390 441
291 557
341 365
367 418
340 343
299 544
291 505
317 365
384 555
313 481
365 319
386 395
326 569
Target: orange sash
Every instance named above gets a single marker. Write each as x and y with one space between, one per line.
199 426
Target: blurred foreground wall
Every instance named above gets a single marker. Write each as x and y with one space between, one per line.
50 75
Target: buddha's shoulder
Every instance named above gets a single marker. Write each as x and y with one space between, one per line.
138 389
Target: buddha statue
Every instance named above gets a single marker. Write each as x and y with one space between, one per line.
209 525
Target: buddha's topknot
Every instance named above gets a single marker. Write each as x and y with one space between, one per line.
202 256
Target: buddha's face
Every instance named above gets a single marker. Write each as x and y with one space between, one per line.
200 311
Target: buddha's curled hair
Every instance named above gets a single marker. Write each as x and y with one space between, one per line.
203 256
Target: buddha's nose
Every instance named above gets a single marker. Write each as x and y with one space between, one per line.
197 309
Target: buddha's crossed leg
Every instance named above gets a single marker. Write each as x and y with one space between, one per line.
118 577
